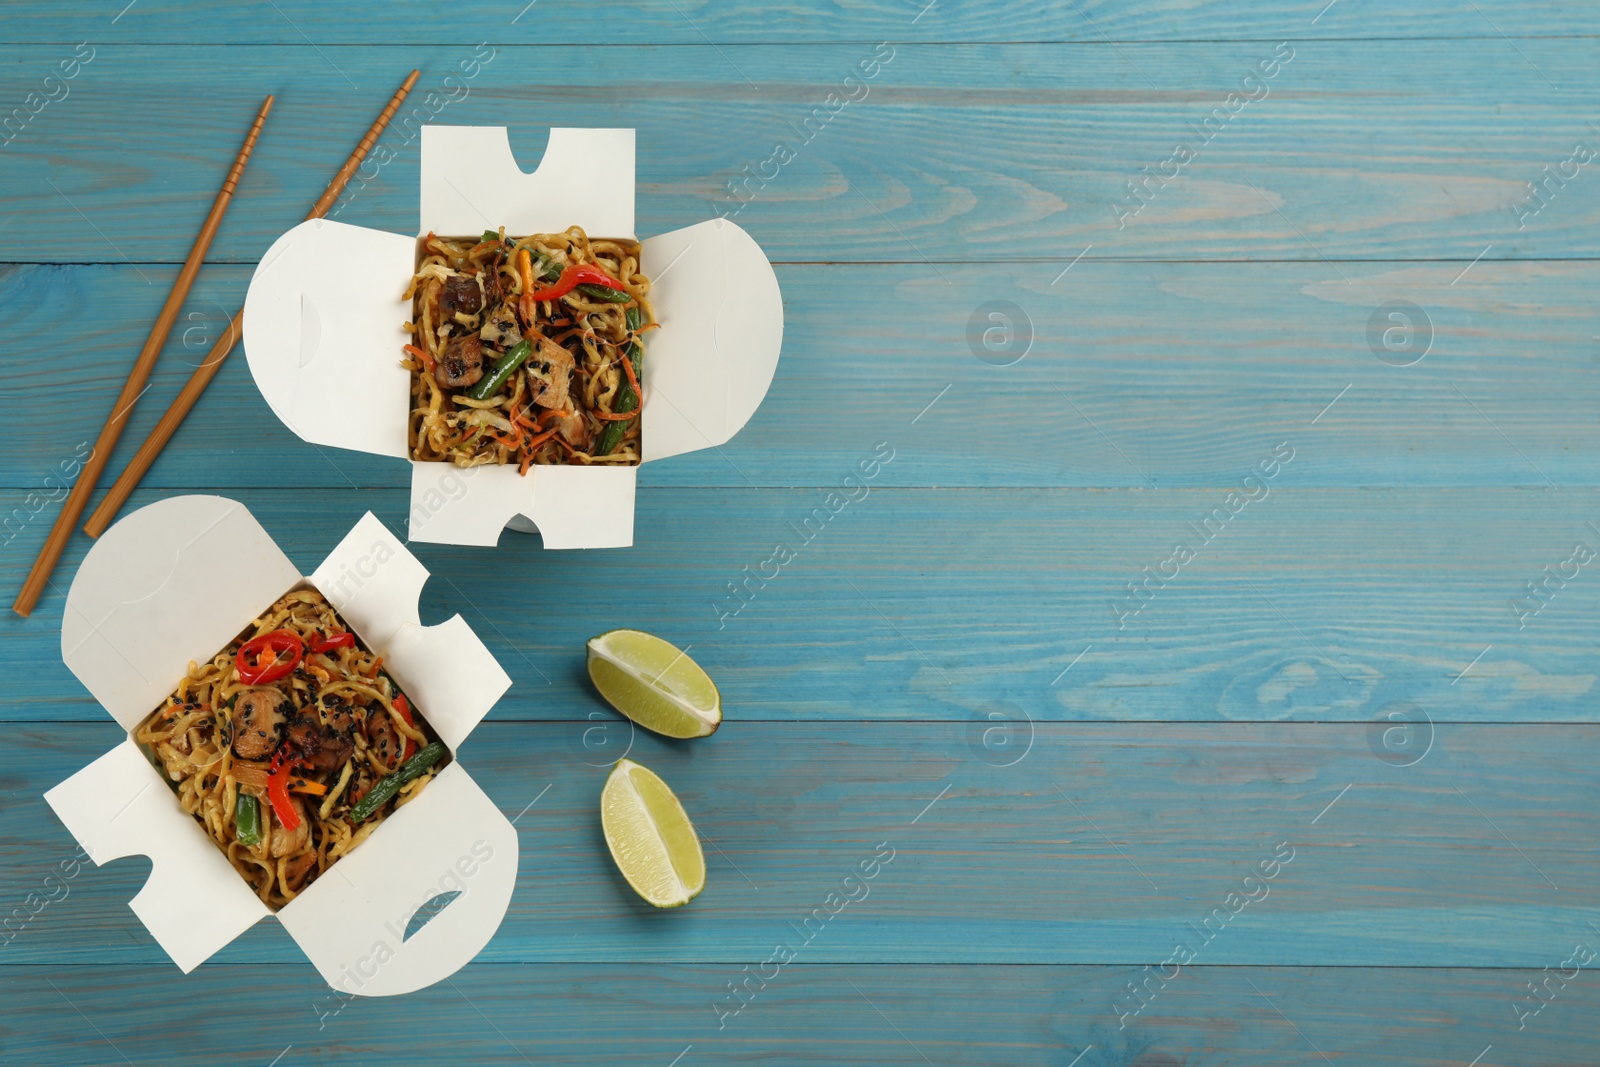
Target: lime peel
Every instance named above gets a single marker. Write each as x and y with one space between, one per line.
654 683
651 839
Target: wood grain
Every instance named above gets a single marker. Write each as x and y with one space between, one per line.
134 386
1140 375
1100 845
958 153
960 615
694 22
897 1015
169 422
918 605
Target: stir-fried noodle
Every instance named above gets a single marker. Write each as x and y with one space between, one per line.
291 745
527 350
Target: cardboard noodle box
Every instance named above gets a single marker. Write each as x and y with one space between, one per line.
324 329
175 582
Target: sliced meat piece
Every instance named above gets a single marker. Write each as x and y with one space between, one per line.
288 842
550 370
574 429
500 328
340 719
384 737
258 718
296 870
461 365
320 747
461 293
332 753
491 281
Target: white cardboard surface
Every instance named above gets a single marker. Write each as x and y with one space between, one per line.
573 507
323 331
352 927
445 668
326 373
133 621
709 366
177 581
119 806
471 183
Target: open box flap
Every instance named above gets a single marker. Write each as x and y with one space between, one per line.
120 806
172 582
708 367
573 507
351 922
471 183
375 584
323 331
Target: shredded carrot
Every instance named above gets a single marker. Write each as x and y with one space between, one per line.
427 360
372 672
613 416
627 365
520 417
572 450
525 268
302 785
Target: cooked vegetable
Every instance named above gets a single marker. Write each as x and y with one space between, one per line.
247 821
570 279
269 769
502 370
381 793
278 793
250 663
581 305
600 292
333 641
627 396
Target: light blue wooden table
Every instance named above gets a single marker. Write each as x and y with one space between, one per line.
1319 787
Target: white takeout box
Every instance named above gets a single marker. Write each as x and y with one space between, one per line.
178 580
324 329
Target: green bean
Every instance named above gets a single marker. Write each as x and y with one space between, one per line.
247 820
384 791
603 293
627 399
496 378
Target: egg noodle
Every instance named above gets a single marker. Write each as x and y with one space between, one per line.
527 350
321 726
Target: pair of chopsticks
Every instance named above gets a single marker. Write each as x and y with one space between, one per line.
78 499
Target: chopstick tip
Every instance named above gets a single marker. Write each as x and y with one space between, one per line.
411 79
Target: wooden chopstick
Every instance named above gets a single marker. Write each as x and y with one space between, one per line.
163 431
135 385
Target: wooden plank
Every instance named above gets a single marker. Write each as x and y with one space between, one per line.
1152 375
918 605
1448 133
694 22
912 1015
1100 844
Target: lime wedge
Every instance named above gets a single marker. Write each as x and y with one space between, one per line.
650 837
654 684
